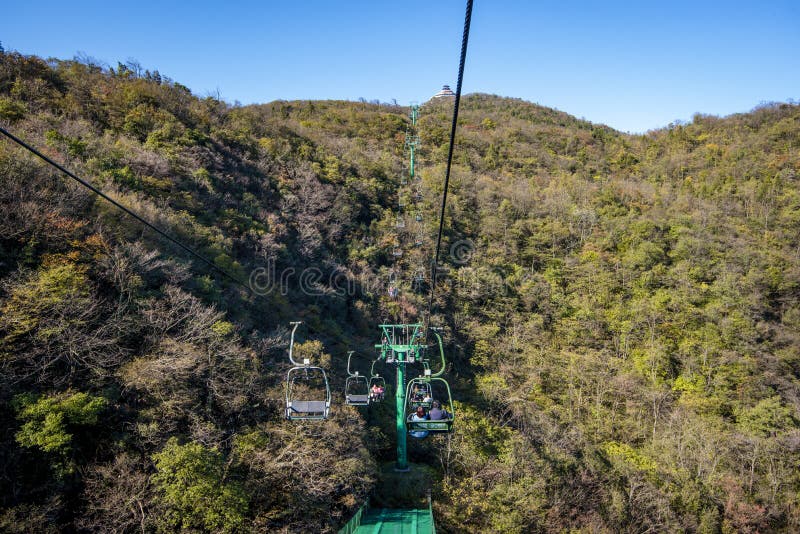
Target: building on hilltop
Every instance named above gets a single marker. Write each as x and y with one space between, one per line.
445 92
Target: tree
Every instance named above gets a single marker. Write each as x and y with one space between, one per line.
196 489
53 326
49 422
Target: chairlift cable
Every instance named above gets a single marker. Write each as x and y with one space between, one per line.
464 41
128 211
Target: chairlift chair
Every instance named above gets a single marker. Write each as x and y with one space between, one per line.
380 382
356 390
437 387
419 279
300 405
419 393
376 380
356 387
430 425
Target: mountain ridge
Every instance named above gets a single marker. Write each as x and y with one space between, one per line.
622 324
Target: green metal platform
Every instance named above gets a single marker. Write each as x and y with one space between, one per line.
390 521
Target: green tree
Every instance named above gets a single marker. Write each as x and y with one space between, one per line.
194 483
50 420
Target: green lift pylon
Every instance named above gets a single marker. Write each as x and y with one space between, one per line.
414 113
412 141
400 345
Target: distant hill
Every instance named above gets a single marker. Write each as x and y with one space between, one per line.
622 311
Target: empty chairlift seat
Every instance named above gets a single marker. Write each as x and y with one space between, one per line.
356 390
356 387
305 409
308 393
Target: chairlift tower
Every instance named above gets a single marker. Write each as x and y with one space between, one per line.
412 142
402 344
414 113
399 346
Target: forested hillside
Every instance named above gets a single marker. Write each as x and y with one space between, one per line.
622 316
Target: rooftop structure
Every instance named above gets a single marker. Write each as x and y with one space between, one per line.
445 92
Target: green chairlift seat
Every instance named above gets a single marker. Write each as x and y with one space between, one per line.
430 425
436 387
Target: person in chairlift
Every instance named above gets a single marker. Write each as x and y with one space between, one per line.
419 415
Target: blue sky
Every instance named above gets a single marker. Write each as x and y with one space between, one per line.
632 65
